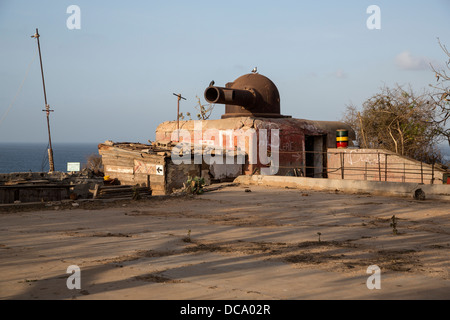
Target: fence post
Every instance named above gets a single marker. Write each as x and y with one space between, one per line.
365 170
432 173
421 171
304 160
342 165
404 172
379 167
385 166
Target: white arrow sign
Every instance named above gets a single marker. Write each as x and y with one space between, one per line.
159 170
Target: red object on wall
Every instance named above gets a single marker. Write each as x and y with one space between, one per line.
341 144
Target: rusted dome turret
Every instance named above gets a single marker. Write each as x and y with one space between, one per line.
251 95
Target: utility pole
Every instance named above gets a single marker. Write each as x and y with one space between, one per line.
178 113
47 107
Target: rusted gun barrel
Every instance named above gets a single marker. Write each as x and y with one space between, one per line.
251 95
243 98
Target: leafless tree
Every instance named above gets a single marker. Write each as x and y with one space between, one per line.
204 110
398 120
441 96
94 163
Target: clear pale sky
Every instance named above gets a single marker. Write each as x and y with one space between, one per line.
114 78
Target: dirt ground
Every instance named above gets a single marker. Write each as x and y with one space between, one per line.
248 243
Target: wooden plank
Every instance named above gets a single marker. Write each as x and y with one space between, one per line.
157 179
118 162
95 190
132 154
144 167
122 161
118 169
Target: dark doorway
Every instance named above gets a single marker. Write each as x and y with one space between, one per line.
315 156
309 156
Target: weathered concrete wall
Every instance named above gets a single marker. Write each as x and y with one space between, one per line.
380 165
441 191
230 132
177 175
226 171
330 127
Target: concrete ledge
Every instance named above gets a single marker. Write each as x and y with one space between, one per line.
432 191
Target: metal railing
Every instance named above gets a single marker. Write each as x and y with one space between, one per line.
378 166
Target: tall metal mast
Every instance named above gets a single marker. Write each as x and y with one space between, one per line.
178 113
47 107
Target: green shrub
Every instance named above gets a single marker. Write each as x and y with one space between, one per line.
194 185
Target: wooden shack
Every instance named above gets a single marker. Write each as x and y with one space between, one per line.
151 165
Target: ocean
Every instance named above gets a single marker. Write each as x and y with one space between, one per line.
24 157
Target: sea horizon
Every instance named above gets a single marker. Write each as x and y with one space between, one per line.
33 156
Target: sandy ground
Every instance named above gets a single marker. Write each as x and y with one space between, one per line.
229 244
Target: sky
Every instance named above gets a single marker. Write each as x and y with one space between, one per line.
114 77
